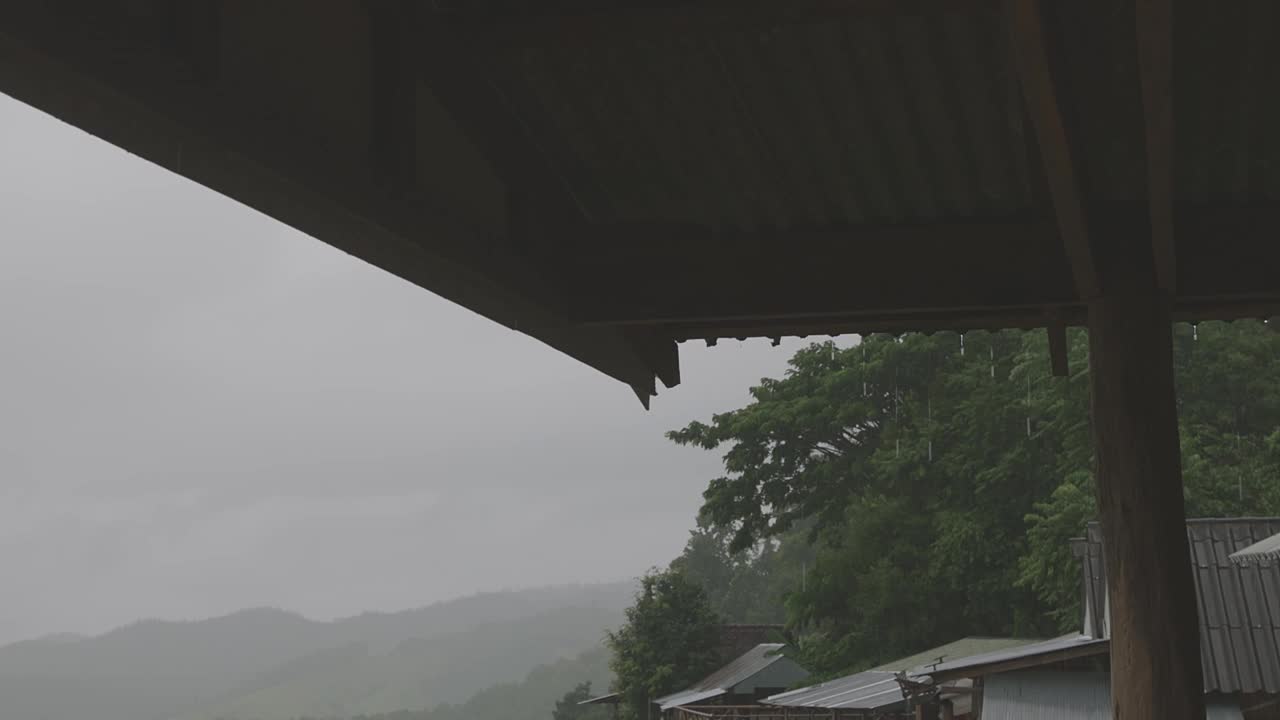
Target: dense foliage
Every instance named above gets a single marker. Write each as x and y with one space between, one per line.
670 639
936 480
570 707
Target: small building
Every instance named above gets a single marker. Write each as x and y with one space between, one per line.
1237 586
1236 563
762 671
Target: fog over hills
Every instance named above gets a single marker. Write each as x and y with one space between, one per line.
271 664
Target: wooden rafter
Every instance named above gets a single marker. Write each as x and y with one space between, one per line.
1155 65
1031 58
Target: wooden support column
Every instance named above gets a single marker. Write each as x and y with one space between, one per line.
1155 651
1125 272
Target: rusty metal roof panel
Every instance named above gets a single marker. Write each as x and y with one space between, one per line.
832 122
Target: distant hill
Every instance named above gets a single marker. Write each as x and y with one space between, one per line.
266 664
530 699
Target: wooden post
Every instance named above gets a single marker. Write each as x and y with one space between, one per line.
1155 640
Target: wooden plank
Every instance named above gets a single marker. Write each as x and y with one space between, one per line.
1058 347
1155 63
1031 60
1155 653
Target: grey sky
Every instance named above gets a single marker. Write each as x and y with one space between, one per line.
205 410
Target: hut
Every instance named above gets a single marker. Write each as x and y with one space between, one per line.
737 688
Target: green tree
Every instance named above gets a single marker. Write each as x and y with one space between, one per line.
668 641
570 706
746 586
940 477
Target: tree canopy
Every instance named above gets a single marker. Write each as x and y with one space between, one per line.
669 641
936 481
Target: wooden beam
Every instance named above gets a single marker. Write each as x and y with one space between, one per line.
455 63
807 274
685 279
558 22
1031 60
1155 650
1058 359
1155 66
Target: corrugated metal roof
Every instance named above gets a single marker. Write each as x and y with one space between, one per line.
962 648
723 680
1239 605
1063 696
607 699
876 688
689 697
870 690
1065 643
1259 552
862 119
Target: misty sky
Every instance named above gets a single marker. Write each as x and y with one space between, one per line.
205 410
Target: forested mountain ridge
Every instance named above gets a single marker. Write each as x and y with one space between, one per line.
261 658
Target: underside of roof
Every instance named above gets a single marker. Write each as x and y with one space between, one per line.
615 177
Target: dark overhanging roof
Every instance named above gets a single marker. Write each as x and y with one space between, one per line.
618 176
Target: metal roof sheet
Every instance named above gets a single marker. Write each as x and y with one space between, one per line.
1065 643
1064 696
962 648
1239 604
876 688
1268 549
606 699
689 697
723 680
854 120
869 690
